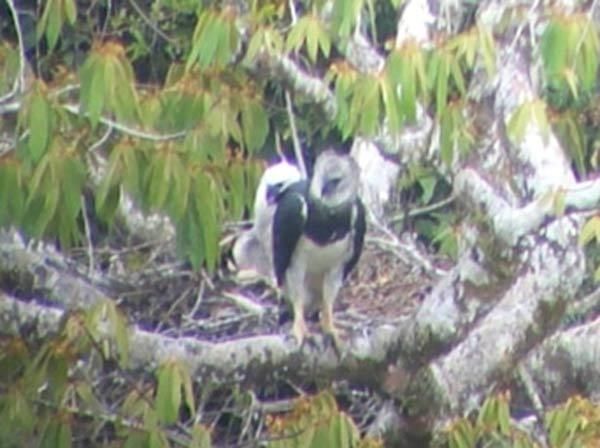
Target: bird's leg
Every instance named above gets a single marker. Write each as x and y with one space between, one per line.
331 286
299 328
296 292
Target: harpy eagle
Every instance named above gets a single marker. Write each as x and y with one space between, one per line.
318 234
252 251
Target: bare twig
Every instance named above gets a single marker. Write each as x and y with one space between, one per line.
97 144
198 302
400 249
295 140
423 210
151 24
245 303
293 13
88 237
75 109
536 401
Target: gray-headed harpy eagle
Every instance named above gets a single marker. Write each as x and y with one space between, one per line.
318 234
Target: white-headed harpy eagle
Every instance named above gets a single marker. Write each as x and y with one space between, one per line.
252 251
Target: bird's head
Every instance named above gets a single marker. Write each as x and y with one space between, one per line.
273 181
335 179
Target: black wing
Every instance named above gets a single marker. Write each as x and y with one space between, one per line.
359 228
288 226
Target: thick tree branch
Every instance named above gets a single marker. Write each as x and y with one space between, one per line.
511 223
285 70
568 363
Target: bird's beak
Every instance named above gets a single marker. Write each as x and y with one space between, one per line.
273 193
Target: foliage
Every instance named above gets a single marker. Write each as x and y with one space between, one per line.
428 195
589 233
316 422
569 50
184 144
50 393
167 102
575 423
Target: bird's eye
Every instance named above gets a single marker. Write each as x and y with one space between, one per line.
273 192
331 185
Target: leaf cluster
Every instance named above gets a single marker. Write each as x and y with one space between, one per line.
575 423
315 422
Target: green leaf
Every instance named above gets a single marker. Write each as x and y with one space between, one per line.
93 93
597 274
590 231
88 400
190 242
587 59
158 181
11 189
427 184
390 103
345 13
64 436
180 188
42 207
487 49
39 126
70 11
200 437
236 193
157 439
72 177
316 37
457 76
120 331
136 439
462 435
208 42
255 124
298 34
54 25
571 79
109 192
205 207
504 425
538 110
441 96
365 108
168 394
50 436
518 122
408 94
554 48
448 132
119 79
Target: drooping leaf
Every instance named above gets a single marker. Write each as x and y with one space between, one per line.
70 11
298 34
40 125
345 13
590 231
200 437
168 394
93 94
255 124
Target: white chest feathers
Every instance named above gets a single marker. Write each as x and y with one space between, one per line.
321 259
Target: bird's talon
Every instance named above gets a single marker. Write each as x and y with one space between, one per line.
300 331
334 339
